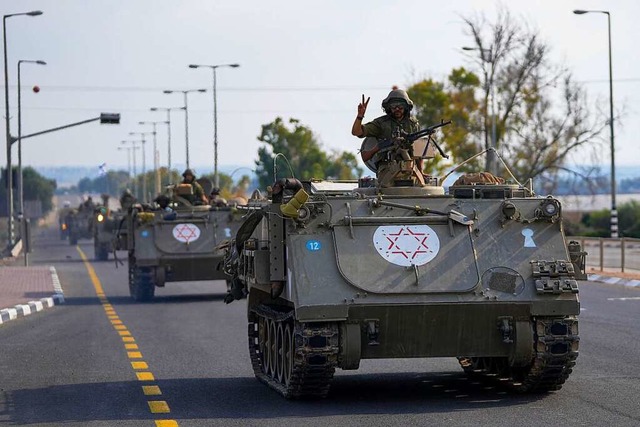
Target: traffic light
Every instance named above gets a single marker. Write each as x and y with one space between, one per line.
110 118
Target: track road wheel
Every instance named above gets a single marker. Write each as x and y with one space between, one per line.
555 344
295 359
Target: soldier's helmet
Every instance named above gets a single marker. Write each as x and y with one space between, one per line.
397 95
188 172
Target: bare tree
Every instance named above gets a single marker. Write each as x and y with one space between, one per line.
535 114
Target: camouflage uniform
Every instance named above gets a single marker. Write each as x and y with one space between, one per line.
385 128
198 191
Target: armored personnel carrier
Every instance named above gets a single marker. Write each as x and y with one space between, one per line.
337 272
176 241
105 225
79 226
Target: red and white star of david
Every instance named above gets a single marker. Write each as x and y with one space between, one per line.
186 233
406 245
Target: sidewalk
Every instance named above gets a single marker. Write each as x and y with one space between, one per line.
26 290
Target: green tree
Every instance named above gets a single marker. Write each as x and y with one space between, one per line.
113 183
36 187
454 100
598 223
296 151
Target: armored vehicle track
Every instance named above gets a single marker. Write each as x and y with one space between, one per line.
555 352
295 359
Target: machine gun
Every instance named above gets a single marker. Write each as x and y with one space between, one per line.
406 141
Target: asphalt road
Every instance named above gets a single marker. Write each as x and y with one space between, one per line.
101 360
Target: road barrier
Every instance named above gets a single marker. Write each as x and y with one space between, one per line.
604 253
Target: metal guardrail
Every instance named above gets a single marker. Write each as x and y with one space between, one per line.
604 253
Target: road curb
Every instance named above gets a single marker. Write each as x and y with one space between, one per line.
630 283
35 306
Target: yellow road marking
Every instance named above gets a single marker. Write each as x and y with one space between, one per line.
151 390
155 406
145 376
139 365
158 407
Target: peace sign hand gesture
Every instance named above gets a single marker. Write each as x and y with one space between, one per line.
362 107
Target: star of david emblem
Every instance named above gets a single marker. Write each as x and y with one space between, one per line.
186 233
406 245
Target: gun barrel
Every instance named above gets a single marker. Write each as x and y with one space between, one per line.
427 131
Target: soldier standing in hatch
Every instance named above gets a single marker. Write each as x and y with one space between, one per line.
396 123
216 199
198 191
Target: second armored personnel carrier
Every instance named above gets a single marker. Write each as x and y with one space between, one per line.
176 241
78 223
337 272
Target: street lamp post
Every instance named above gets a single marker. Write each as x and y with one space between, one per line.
7 124
614 211
215 117
186 116
168 122
143 141
20 177
128 149
486 56
134 146
156 159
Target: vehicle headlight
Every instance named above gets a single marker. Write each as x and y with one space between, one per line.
550 208
100 218
509 210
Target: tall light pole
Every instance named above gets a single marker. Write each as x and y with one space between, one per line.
614 211
134 146
7 124
128 149
20 177
143 141
216 181
186 115
156 159
168 122
486 56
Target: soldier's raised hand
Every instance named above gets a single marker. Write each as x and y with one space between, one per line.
362 107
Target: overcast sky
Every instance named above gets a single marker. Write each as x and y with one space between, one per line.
310 60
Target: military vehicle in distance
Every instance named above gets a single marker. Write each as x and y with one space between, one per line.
105 226
79 224
63 228
337 272
176 241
